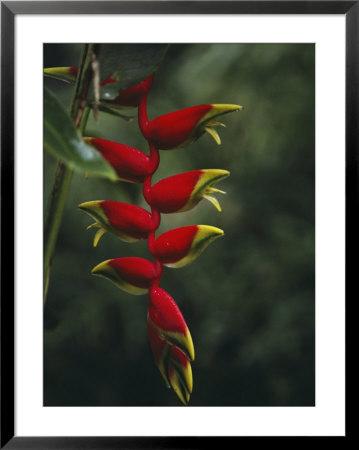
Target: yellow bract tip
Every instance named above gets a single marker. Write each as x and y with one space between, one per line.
103 266
57 70
61 73
89 205
209 230
213 175
225 108
190 346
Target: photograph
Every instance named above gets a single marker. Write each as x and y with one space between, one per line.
179 224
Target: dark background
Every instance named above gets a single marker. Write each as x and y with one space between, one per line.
249 298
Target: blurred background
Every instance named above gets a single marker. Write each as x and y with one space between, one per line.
248 300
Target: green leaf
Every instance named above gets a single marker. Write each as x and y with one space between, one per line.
62 140
129 64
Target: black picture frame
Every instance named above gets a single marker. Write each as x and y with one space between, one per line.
9 9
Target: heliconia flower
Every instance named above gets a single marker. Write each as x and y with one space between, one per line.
181 128
62 73
131 274
129 222
131 96
181 246
129 163
183 191
167 321
173 365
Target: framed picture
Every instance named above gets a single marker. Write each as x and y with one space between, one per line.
116 110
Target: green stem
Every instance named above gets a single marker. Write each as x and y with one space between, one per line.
79 113
53 218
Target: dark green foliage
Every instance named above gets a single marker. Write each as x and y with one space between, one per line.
63 141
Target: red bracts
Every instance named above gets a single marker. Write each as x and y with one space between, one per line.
129 163
131 274
181 246
173 364
184 191
129 222
181 128
169 336
171 342
166 319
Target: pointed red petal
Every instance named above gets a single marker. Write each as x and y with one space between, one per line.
168 322
129 219
175 129
175 244
136 271
171 194
129 163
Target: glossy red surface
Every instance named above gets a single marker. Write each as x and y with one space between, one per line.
158 345
129 163
164 312
171 194
175 244
173 129
136 271
130 219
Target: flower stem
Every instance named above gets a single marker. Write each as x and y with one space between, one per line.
79 113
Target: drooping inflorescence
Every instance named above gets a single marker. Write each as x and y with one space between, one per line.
169 336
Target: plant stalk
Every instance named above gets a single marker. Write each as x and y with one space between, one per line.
79 113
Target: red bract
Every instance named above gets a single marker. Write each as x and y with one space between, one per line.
172 363
166 318
184 191
129 222
131 96
181 128
132 219
176 129
179 247
133 275
129 163
172 194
